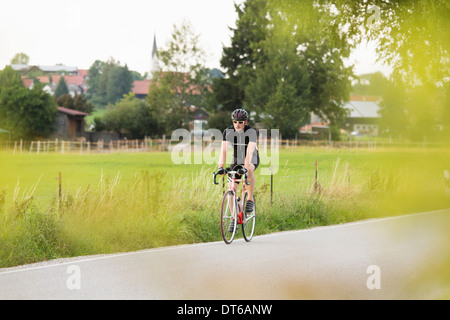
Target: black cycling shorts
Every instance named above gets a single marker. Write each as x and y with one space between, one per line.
234 164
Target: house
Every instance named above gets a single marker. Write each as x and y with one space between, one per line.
361 119
315 130
76 79
76 84
362 116
28 83
73 89
25 69
69 124
29 70
140 88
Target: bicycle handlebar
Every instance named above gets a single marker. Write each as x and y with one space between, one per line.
215 175
230 172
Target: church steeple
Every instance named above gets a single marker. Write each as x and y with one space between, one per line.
154 62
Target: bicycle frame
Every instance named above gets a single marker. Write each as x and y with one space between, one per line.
234 187
232 179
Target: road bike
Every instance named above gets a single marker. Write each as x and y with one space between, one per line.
233 207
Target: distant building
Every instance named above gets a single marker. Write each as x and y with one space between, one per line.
154 61
362 115
140 88
76 79
69 124
361 119
25 69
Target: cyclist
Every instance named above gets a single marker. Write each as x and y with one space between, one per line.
243 139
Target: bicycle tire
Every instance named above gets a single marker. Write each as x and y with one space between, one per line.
226 216
248 226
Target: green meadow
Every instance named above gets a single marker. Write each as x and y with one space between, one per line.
130 201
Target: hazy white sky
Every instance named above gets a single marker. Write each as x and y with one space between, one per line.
78 32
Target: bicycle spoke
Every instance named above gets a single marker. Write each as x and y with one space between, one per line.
227 216
248 228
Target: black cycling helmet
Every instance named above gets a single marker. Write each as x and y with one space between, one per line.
239 115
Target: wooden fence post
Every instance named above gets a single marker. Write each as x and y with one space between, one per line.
316 185
271 185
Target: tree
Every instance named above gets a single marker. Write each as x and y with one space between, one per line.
412 37
9 78
183 53
61 88
94 74
394 120
27 113
283 65
20 58
159 99
373 84
108 82
78 102
181 82
131 118
119 83
240 58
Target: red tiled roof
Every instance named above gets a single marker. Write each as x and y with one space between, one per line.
43 79
72 112
27 82
77 80
308 127
83 73
141 86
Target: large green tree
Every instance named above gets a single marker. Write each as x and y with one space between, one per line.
108 82
240 59
26 113
285 61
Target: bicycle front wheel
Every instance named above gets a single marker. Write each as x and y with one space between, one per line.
248 225
228 221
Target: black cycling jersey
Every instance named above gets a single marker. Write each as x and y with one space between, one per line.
240 143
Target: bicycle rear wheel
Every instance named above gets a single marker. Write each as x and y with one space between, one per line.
228 217
248 226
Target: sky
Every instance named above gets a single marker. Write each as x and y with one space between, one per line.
76 33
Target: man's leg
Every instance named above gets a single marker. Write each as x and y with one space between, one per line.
252 180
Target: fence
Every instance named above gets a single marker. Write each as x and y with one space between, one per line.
163 144
85 147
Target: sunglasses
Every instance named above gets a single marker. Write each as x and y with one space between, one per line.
240 122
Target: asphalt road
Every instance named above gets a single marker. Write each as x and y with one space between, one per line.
393 258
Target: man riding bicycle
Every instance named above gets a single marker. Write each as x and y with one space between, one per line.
245 152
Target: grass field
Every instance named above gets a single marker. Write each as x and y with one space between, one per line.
130 201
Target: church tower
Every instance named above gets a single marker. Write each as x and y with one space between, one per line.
154 62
